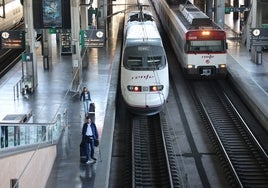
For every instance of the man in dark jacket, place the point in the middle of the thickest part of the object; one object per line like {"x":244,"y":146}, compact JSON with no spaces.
{"x":89,"y":134}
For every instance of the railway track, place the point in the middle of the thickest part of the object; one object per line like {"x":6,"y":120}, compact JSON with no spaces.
{"x":247,"y":161}
{"x":8,"y":60}
{"x":143,"y":155}
{"x":151,"y":166}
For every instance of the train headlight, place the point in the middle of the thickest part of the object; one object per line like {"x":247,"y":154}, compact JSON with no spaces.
{"x":153,"y":88}
{"x":156,"y":88}
{"x":205,"y":33}
{"x":189,"y":66}
{"x":134,"y":88}
{"x":222,"y":66}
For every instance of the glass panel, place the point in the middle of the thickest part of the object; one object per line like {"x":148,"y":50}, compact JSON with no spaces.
{"x":154,"y":61}
{"x":206,"y":46}
{"x":144,"y":57}
{"x":20,"y":134}
{"x":134,"y":62}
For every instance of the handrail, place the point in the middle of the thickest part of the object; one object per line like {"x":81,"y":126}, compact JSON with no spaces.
{"x":32,"y":135}
{"x":26,"y":134}
{"x":17,"y":89}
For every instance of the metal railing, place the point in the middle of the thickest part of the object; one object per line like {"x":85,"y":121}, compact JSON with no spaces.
{"x":26,"y":134}
{"x":17,"y":90}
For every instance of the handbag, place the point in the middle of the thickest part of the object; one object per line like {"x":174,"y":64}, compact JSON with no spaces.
{"x":96,"y":143}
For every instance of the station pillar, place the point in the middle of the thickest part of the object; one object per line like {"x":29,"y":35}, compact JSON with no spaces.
{"x":76,"y":54}
{"x":30,"y":41}
{"x":219,"y":14}
{"x":84,"y":26}
{"x":102,"y":15}
{"x":236,"y":14}
{"x":47,"y":49}
{"x":84,"y":15}
{"x":27,"y":73}
{"x":209,"y":8}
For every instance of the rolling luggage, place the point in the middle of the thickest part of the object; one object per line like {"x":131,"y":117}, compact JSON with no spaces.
{"x":91,"y":112}
{"x":92,"y":108}
{"x":83,"y":156}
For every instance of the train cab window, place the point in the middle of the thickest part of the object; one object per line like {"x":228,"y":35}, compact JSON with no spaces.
{"x":148,"y":17}
{"x":205,"y":46}
{"x":149,"y":63}
{"x":134,"y":17}
{"x":154,"y":62}
{"x":144,"y":57}
{"x":134,"y":62}
{"x":138,"y":17}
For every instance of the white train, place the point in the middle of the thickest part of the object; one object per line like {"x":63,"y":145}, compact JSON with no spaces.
{"x":11,"y":13}
{"x":199,"y":44}
{"x":144,"y":66}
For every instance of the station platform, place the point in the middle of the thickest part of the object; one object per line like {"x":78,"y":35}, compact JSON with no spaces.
{"x":247,"y":75}
{"x":53,"y":92}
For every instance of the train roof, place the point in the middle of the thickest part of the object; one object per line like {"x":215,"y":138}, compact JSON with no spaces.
{"x":193,"y":18}
{"x":139,"y":16}
{"x":141,"y":28}
{"x":143,"y":31}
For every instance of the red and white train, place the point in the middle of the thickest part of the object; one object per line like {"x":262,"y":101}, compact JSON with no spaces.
{"x":199,"y":44}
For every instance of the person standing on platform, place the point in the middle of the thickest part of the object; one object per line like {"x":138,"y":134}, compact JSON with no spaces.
{"x":85,"y":97}
{"x":89,"y":135}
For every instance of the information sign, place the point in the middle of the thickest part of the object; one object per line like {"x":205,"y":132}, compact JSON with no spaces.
{"x":259,"y":36}
{"x":13,"y":39}
{"x":93,"y":38}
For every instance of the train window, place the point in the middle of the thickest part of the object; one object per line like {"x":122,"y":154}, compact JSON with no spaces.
{"x":134,"y":17}
{"x":206,"y":46}
{"x":148,"y":17}
{"x":140,"y":16}
{"x":144,"y":57}
{"x":134,"y":62}
{"x":154,"y":62}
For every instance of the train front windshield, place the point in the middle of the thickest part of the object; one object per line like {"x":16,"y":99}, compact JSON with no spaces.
{"x":201,"y":46}
{"x":144,"y":58}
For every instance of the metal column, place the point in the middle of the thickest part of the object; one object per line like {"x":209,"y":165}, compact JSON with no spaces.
{"x":47,"y":49}
{"x":84,"y":15}
{"x":76,"y":55}
{"x":30,"y":40}
{"x":102,"y":22}
{"x":219,"y":7}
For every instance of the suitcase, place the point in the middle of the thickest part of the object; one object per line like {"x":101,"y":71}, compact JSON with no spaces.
{"x":92,"y":108}
{"x":91,"y":112}
{"x":83,"y":156}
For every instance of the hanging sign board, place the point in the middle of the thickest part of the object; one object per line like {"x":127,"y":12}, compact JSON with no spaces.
{"x":93,"y":38}
{"x":259,"y":36}
{"x":13,"y":39}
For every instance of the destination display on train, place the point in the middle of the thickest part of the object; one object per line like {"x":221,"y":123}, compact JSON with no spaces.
{"x":12,"y":39}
